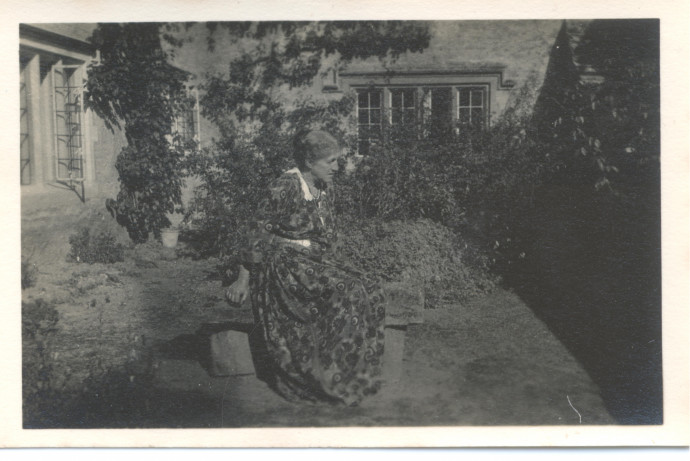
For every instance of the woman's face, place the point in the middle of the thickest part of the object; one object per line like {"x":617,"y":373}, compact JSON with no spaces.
{"x":324,"y":167}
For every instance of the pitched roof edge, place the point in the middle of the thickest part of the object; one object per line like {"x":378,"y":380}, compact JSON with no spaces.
{"x":43,"y":35}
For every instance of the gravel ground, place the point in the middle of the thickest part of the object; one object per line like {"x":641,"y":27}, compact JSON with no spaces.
{"x":487,"y":362}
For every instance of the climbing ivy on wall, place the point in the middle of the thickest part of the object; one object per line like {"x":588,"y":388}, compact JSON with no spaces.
{"x":134,"y":87}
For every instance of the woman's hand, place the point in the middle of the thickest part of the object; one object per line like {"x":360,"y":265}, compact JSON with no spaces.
{"x":238,"y":291}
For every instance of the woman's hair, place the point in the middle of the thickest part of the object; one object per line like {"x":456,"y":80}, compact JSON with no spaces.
{"x":311,"y":146}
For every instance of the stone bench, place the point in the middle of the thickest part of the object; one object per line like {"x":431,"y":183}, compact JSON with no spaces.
{"x":235,"y":344}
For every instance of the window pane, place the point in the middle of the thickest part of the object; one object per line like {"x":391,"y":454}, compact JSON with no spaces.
{"x":374,"y":99}
{"x":375,"y":116}
{"x":362,"y":99}
{"x":477,"y":117}
{"x":403,"y":98}
{"x":464,"y":97}
{"x":368,"y":117}
{"x":403,"y":106}
{"x":396,"y":98}
{"x":464,"y":116}
{"x":408,"y":98}
{"x":477,"y":98}
{"x":441,"y":104}
{"x":396,"y":116}
{"x":408,"y":116}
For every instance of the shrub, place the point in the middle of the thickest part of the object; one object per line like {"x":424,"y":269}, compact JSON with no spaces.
{"x":29,"y":274}
{"x":400,"y":181}
{"x":39,"y":319}
{"x":476,"y":182}
{"x":39,"y":323}
{"x":236,"y":170}
{"x":101,"y":248}
{"x":418,"y":251}
{"x":234,"y":177}
{"x":135,"y":85}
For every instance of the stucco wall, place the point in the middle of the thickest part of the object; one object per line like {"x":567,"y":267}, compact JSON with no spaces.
{"x":522,"y":47}
{"x":105,"y":145}
{"x":50,"y":212}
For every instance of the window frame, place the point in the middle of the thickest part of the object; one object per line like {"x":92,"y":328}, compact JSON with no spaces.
{"x":179,"y":120}
{"x":485,"y":92}
{"x":78,"y":154}
{"x":488,"y":76}
{"x":369,"y":140}
{"x":414,"y":108}
{"x":42,"y":53}
{"x":421,"y":107}
{"x":26,"y":132}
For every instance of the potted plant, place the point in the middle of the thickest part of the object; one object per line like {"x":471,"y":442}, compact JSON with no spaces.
{"x":170,"y":234}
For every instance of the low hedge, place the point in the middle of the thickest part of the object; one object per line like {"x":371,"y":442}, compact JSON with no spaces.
{"x":420,"y":252}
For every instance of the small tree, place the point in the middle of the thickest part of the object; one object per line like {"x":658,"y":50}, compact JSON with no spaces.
{"x":257,"y":122}
{"x":134,"y":85}
{"x":288,"y":55}
{"x":606,"y":134}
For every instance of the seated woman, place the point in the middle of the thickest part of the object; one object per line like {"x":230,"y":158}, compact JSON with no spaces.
{"x":322,"y":322}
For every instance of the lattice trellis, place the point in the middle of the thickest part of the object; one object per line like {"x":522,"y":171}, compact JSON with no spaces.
{"x":68,"y":105}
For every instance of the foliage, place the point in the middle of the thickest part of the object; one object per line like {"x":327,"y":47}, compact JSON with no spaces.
{"x":234,"y":174}
{"x":417,"y":251}
{"x":467,"y":180}
{"x":39,"y":384}
{"x":604,"y":134}
{"x":29,"y":274}
{"x":476,"y":182}
{"x":394,"y":182}
{"x":306,"y":41}
{"x":290,"y":54}
{"x":39,"y":319}
{"x":135,"y":84}
{"x":101,"y":248}
{"x":257,"y":124}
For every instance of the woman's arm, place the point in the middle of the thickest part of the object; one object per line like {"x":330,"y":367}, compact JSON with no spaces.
{"x":278,"y":203}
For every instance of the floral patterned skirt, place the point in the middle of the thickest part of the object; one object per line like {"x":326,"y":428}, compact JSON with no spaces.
{"x":322,"y":325}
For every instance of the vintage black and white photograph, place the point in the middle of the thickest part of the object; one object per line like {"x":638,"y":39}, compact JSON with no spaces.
{"x":340,"y":223}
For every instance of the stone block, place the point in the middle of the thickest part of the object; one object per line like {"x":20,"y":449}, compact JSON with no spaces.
{"x":393,"y":355}
{"x":230,"y":354}
{"x":405,"y":304}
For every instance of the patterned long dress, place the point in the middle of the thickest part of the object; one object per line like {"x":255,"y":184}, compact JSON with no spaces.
{"x":322,"y":322}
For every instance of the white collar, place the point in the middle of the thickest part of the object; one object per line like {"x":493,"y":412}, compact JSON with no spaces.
{"x":305,"y":188}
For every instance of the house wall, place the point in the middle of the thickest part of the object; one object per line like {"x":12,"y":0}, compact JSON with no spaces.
{"x":466,"y":51}
{"x":50,"y":210}
{"x":476,"y":49}
{"x":43,"y":50}
{"x":519,"y":48}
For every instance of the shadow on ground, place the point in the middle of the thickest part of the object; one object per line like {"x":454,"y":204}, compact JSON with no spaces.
{"x":489,"y":362}
{"x":595,"y":281}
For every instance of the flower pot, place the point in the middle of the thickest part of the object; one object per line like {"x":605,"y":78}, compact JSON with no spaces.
{"x":169,"y":237}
